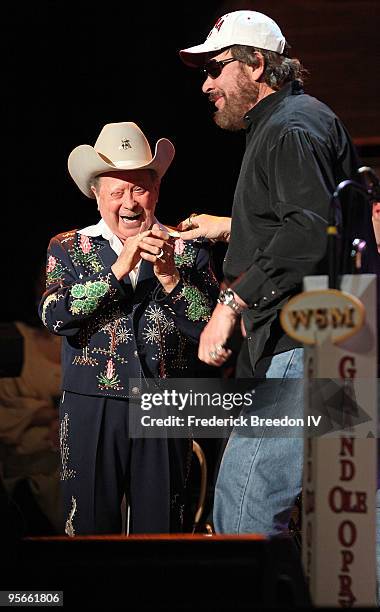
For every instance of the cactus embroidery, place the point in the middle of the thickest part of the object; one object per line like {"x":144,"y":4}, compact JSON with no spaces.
{"x":198,"y":308}
{"x":87,"y":296}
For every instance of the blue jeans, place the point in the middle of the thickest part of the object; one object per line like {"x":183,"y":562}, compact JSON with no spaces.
{"x":260,"y":476}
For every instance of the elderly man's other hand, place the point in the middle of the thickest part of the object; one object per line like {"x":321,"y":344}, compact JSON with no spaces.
{"x":129,"y":256}
{"x":205,"y":226}
{"x":158,"y":248}
{"x":215,"y":335}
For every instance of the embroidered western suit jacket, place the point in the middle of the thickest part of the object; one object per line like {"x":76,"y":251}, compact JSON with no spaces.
{"x":113,"y":333}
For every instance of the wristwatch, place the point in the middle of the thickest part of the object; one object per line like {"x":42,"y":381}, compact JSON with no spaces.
{"x":226,"y":296}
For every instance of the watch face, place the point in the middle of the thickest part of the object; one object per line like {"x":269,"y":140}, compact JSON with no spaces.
{"x":228,"y":296}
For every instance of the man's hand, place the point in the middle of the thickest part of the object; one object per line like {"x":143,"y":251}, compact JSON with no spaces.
{"x":205,"y":226}
{"x":129,"y":256}
{"x":215,"y":335}
{"x":158,"y":248}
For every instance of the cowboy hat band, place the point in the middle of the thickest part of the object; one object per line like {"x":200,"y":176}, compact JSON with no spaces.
{"x":120,"y":146}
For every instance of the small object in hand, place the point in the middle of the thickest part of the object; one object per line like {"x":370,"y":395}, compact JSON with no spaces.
{"x":160,"y":254}
{"x":172,"y":231}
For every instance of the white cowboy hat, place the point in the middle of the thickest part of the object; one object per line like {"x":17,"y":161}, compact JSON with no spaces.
{"x":120,"y":146}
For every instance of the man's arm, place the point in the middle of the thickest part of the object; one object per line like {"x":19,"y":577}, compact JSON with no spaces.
{"x":70,"y":299}
{"x":301,"y":182}
{"x":214,"y":228}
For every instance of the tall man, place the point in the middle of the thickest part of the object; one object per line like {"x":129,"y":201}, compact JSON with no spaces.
{"x":297,"y":151}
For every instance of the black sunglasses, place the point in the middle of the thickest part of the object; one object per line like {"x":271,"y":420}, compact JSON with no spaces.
{"x":213,"y":67}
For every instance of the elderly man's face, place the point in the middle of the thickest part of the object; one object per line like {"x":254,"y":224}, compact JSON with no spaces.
{"x":127,"y":201}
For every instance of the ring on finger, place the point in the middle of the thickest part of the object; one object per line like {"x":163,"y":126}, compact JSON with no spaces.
{"x":160,"y":254}
{"x":212,"y":355}
{"x":218,"y":349}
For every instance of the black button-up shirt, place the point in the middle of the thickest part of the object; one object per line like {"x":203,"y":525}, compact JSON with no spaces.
{"x":297,"y":151}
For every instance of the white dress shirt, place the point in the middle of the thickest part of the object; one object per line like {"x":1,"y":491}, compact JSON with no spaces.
{"x":102,"y":229}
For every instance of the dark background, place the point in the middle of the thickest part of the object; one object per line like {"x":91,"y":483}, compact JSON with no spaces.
{"x":71,"y":67}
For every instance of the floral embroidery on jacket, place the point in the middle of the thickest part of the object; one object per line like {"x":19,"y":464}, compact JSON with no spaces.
{"x":184,"y":253}
{"x":54,"y":271}
{"x":108,"y":379}
{"x":85,"y":254}
{"x":179,"y":246}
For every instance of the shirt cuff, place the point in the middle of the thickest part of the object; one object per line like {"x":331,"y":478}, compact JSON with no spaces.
{"x":255,"y":288}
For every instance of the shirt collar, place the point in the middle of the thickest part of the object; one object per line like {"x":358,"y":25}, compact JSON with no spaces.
{"x":101,"y":229}
{"x":266,"y":104}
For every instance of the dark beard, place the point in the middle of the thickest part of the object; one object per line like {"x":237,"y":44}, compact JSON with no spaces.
{"x":245,"y":96}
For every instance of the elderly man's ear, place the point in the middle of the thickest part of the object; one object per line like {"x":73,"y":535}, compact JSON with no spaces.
{"x":156,"y":187}
{"x":96,"y":196}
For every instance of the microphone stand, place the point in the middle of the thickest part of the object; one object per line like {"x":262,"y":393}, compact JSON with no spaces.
{"x":372,"y":193}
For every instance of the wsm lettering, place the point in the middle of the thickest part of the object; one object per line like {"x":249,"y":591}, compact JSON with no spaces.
{"x":323,"y":318}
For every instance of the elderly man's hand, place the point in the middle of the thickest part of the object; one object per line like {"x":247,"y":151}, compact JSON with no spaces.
{"x":129,"y":256}
{"x":158,"y":248}
{"x":215,"y":335}
{"x":205,"y":226}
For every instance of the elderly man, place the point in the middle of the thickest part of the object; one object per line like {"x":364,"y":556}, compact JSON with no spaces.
{"x":130,"y":303}
{"x":297,"y":151}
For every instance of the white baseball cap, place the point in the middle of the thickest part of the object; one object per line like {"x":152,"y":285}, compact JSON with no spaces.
{"x":237,"y":28}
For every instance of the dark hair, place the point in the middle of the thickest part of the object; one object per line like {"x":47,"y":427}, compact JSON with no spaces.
{"x":279,"y":69}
